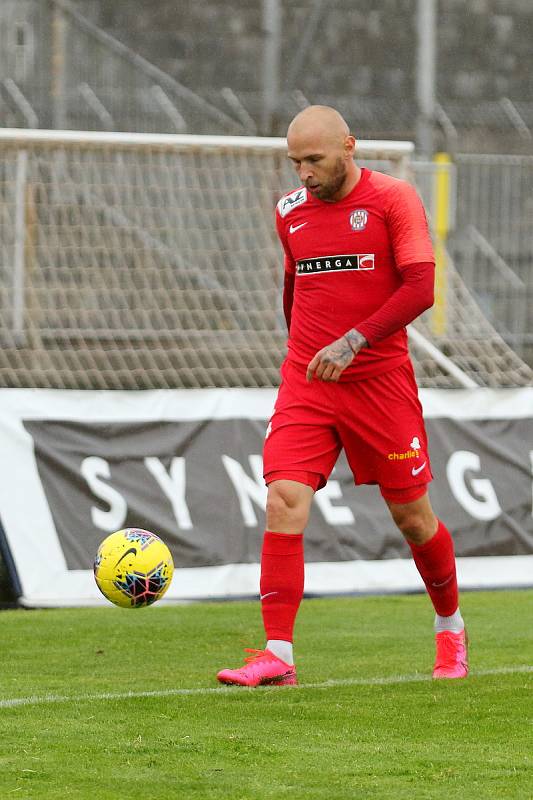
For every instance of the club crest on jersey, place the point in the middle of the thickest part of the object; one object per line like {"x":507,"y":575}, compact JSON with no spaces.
{"x":291,"y":201}
{"x":358,"y":219}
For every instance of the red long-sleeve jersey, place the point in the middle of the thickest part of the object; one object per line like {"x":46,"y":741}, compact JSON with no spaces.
{"x":364,"y":262}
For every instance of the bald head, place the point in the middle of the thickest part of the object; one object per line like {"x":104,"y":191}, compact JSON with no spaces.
{"x":321,"y":121}
{"x":321,"y":148}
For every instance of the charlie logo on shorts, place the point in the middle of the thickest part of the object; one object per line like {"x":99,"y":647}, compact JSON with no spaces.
{"x":413,"y":452}
{"x":358,"y":219}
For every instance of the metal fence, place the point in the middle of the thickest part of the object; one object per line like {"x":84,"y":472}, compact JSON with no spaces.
{"x":492,"y":243}
{"x":60,"y":70}
{"x":82,"y":78}
{"x":491,"y":237}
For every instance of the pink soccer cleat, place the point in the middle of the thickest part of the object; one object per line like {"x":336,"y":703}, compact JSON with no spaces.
{"x":451,"y":660}
{"x":262,"y":668}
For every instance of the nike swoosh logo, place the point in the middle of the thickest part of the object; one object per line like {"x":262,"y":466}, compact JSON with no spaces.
{"x":131,"y":550}
{"x":294,"y":228}
{"x":438,"y":585}
{"x":262,"y":596}
{"x":416,"y":470}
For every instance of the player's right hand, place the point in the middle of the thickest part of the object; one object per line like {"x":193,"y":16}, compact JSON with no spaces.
{"x":330,"y":362}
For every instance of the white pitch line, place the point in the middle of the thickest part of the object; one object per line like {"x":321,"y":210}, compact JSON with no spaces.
{"x":391,"y":680}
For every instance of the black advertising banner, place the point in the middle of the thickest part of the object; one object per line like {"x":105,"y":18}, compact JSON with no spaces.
{"x":188,"y":466}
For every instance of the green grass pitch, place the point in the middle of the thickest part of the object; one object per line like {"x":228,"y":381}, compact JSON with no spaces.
{"x":103,"y":710}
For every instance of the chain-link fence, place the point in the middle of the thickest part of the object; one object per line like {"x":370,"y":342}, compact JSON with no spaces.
{"x":208,"y":68}
{"x":492,"y":243}
{"x":82,"y":78}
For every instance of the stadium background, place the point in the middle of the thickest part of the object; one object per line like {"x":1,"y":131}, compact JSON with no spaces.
{"x":359,"y":56}
{"x":121,"y":66}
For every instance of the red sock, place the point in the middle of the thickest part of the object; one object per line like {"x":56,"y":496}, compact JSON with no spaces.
{"x":435,"y":561}
{"x":282,"y":582}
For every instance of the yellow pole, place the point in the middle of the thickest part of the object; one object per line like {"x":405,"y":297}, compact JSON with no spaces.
{"x":441,"y":223}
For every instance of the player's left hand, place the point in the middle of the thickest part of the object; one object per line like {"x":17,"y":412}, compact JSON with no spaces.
{"x":330,"y":362}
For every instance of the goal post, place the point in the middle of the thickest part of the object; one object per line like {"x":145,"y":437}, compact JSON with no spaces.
{"x":146,"y":261}
{"x":395,"y":151}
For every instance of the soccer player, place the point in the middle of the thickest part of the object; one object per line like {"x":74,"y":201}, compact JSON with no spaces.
{"x":359,"y":266}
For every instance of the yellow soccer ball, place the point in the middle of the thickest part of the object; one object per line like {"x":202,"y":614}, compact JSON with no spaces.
{"x":133,"y":568}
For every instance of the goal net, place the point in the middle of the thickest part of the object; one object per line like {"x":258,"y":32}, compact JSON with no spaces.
{"x":132,"y":261}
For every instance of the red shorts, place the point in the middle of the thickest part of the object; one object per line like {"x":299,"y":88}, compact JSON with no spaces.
{"x":378,"y":422}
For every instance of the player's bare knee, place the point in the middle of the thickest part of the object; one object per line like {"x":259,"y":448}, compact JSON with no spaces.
{"x":413,"y":529}
{"x":416,"y":527}
{"x":287,"y":507}
{"x":283,"y":517}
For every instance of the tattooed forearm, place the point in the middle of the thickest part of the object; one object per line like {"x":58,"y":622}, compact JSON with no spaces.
{"x":330,"y":362}
{"x":356,"y":340}
{"x":340,"y":351}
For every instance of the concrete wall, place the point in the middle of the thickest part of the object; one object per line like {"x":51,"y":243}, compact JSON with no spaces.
{"x":362,"y":56}
{"x":366,"y":47}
